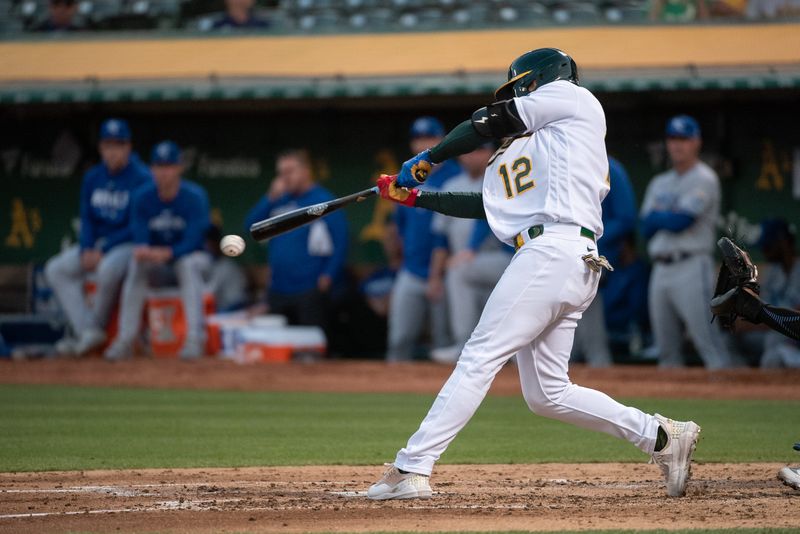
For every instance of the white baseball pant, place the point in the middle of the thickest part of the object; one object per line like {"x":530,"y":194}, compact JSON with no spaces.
{"x":531,"y":313}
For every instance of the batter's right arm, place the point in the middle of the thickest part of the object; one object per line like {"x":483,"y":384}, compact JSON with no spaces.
{"x":453,"y":204}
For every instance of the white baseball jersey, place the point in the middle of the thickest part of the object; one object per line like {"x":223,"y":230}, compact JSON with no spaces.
{"x":695,"y":192}
{"x":557,"y":171}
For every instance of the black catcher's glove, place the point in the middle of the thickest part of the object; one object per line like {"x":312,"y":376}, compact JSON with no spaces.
{"x":737,"y":278}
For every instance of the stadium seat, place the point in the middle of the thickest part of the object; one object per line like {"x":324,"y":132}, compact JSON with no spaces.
{"x":331,"y":15}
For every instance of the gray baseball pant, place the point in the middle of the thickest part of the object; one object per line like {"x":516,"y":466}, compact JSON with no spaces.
{"x":679,"y":294}
{"x":407,"y":312}
{"x":66,"y":276}
{"x":188,"y":271}
{"x":591,"y":337}
{"x":468,"y":288}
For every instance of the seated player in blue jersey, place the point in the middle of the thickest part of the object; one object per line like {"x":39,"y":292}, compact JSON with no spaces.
{"x":169,"y":220}
{"x":306,"y":262}
{"x":104,"y":241}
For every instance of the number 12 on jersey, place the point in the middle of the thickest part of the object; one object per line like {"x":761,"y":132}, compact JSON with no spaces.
{"x":521,"y":170}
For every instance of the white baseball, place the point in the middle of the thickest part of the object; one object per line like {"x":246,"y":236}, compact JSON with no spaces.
{"x":232,"y":245}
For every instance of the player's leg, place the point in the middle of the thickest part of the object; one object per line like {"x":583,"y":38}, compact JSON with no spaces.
{"x":463,"y":304}
{"x":667,"y":328}
{"x":591,"y":338}
{"x":406,"y":316}
{"x":468,"y":288}
{"x":131,"y":304}
{"x":110,"y":274}
{"x":282,"y":305}
{"x":527,"y":298}
{"x":691,"y":296}
{"x":312,"y":309}
{"x":543,"y":373}
{"x":65,"y":277}
{"x":439,"y":320}
{"x":190,"y":270}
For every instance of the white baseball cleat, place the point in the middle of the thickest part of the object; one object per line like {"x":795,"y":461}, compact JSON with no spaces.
{"x":790,"y":476}
{"x":397,"y":485}
{"x":675,"y":459}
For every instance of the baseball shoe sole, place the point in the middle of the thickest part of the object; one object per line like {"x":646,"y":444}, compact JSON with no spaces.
{"x":790,"y":476}
{"x":396,"y":485}
{"x":675,"y":459}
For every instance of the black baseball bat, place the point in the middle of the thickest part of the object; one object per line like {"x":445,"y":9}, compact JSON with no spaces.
{"x":263,"y":230}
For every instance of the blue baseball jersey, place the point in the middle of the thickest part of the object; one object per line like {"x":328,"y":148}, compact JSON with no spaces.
{"x":414,"y":224}
{"x":105,"y":203}
{"x":180,"y":223}
{"x":619,"y":212}
{"x":625,"y":296}
{"x":298,"y":258}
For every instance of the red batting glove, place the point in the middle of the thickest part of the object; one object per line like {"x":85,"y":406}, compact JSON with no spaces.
{"x":387,"y":184}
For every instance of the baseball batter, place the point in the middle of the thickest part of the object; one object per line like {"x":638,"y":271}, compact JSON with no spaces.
{"x":541,"y":192}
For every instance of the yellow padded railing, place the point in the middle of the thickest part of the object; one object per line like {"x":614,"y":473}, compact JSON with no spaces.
{"x":393,"y":54}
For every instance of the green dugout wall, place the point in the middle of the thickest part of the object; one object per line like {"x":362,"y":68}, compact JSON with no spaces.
{"x":751,"y":137}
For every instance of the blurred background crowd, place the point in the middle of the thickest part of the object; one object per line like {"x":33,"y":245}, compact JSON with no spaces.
{"x":361,"y":15}
{"x":120,"y":183}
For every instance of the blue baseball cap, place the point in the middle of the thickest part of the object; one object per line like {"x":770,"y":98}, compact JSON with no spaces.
{"x":165,"y":153}
{"x":683,"y":126}
{"x":773,"y":230}
{"x":115,"y":130}
{"x":427,"y":127}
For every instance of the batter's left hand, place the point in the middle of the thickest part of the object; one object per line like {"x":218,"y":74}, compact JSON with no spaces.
{"x":389,"y":189}
{"x":416,"y":170}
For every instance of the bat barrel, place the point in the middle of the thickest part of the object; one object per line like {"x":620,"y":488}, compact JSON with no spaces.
{"x":263,"y":230}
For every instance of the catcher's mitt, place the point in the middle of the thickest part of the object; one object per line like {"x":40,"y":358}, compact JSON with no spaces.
{"x":736,"y":275}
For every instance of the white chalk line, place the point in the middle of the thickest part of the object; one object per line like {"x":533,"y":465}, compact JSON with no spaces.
{"x":207,"y":505}
{"x":161,"y":506}
{"x":105,"y":490}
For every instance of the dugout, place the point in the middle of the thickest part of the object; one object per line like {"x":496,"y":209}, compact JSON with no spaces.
{"x":233,"y":102}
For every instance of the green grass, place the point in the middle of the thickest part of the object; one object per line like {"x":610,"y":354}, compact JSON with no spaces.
{"x":43,"y":428}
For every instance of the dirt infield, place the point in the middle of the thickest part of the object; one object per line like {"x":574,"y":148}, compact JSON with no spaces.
{"x":327,"y":498}
{"x":378,"y":377}
{"x":309,"y":499}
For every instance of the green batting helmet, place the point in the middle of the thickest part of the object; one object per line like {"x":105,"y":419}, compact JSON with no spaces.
{"x":543,"y":65}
